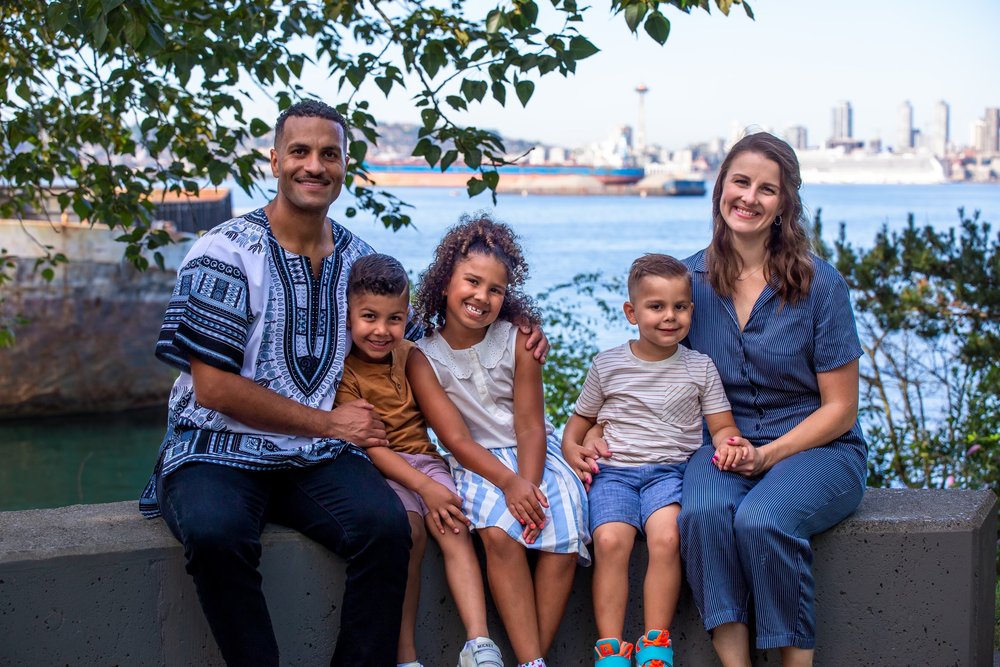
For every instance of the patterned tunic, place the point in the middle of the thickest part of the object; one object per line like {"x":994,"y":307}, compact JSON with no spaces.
{"x":244,"y":304}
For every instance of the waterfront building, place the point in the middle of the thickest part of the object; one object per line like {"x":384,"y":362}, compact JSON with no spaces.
{"x":992,"y":139}
{"x":904,"y":128}
{"x":940,"y":135}
{"x":797,"y":137}
{"x":843,"y":123}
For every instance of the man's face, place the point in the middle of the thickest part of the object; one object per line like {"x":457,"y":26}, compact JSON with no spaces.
{"x":309,"y":163}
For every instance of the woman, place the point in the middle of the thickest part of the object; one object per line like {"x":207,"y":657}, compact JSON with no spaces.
{"x":777,"y":322}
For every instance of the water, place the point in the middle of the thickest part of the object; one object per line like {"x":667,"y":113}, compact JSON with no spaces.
{"x":52,"y":462}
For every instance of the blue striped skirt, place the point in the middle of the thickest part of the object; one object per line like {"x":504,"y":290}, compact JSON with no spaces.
{"x":565,"y":528}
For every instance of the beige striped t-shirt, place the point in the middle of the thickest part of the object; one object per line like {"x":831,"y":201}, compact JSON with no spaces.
{"x":651,"y":410}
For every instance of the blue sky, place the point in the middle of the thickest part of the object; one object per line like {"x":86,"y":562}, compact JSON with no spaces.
{"x":790,"y":66}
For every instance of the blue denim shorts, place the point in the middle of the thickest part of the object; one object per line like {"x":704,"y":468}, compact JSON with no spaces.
{"x":631,"y":494}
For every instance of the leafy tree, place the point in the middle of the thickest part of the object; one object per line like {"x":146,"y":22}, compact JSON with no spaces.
{"x":104,"y":101}
{"x":928,"y":309}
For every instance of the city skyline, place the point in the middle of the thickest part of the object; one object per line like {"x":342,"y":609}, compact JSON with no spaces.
{"x":789,"y":67}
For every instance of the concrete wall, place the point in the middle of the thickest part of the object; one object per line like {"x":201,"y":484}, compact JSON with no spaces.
{"x":908,"y":580}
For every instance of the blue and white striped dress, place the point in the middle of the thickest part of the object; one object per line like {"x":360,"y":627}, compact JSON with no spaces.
{"x":480,"y":382}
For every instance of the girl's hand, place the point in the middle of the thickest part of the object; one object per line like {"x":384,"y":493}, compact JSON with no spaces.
{"x":529,"y":534}
{"x":525,"y":501}
{"x":445,"y":507}
{"x":581,"y":461}
{"x":731,"y":453}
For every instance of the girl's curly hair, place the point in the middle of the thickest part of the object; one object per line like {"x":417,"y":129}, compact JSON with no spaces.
{"x":477,"y":233}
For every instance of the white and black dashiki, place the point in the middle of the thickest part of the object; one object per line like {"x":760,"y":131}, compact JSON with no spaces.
{"x":244,"y":304}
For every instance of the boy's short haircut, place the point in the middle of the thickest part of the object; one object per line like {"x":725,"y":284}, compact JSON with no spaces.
{"x":379,"y":275}
{"x":655,"y":264}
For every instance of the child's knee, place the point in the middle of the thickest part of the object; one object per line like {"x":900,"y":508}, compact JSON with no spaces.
{"x":614,"y":540}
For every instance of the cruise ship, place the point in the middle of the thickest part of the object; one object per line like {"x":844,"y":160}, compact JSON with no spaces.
{"x":836,"y":166}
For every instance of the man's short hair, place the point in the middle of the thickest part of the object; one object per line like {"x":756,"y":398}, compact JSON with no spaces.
{"x":309,"y":109}
{"x":655,"y":264}
{"x":379,"y":275}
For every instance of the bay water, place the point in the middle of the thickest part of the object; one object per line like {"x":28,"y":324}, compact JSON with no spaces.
{"x":56,"y":461}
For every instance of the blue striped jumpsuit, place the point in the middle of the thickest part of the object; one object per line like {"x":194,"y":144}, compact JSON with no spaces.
{"x":748,"y":539}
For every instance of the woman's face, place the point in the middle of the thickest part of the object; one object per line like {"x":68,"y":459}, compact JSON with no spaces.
{"x":751,"y":196}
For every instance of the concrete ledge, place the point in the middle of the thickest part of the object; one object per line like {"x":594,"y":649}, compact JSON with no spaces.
{"x":909,"y":579}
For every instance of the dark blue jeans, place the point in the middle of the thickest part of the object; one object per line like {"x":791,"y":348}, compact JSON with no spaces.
{"x":218,"y":512}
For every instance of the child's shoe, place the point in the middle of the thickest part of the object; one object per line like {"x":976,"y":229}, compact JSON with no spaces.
{"x":654,"y":650}
{"x":480,"y":652}
{"x":612,"y":653}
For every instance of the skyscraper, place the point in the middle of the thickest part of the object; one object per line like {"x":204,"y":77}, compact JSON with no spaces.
{"x":992,"y":119}
{"x":904,"y":128}
{"x":843,"y":123}
{"x":940,"y":134}
{"x":797,"y":137}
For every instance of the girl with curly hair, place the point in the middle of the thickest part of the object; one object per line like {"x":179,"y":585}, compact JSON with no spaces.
{"x":481,"y":392}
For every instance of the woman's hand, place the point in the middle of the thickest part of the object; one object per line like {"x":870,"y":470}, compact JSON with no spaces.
{"x":758,"y":460}
{"x":445,"y":507}
{"x":525,"y":501}
{"x":731,"y":453}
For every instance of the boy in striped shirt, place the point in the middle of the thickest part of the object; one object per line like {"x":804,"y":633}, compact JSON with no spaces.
{"x":647,"y":399}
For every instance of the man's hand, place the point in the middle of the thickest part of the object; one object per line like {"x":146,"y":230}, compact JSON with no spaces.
{"x":537,"y":342}
{"x":357,"y":422}
{"x":445,"y":507}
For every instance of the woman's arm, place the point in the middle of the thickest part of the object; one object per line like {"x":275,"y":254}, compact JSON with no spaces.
{"x":838,"y":410}
{"x":448,"y":424}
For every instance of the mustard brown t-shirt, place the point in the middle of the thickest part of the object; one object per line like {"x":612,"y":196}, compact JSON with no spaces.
{"x":384,"y":385}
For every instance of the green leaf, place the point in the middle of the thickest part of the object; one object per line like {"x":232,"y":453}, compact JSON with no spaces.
{"x":524,"y":89}
{"x":658,"y":27}
{"x":749,"y":12}
{"x":430,"y":118}
{"x":494,"y":20}
{"x":473,"y":157}
{"x":433,"y":155}
{"x":580,"y":47}
{"x":634,"y":14}
{"x":491,"y":178}
{"x":422,"y":147}
{"x":473,"y":90}
{"x":455,"y":102}
{"x":357,"y":150}
{"x":384,"y":83}
{"x":449,"y":158}
{"x":259,"y":128}
{"x":475,"y":186}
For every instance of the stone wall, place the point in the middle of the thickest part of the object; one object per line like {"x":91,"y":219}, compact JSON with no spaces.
{"x":909,"y":579}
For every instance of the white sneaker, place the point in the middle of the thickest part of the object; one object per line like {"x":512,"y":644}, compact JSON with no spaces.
{"x":480,"y":652}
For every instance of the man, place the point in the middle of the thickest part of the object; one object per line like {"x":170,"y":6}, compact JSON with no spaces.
{"x":257,"y":327}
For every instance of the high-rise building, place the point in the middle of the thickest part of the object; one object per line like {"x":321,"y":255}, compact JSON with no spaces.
{"x":977,"y":135}
{"x":904,"y":128}
{"x":992,"y":120}
{"x":797,"y":137}
{"x":843,"y":123}
{"x":941,"y":134}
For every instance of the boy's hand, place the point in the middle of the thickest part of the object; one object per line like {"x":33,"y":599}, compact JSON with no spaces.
{"x":445,"y":507}
{"x":525,"y":501}
{"x":537,"y":342}
{"x":733,"y":452}
{"x":583,"y":458}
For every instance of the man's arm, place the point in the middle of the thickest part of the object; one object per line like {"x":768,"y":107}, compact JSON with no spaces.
{"x":245,"y":401}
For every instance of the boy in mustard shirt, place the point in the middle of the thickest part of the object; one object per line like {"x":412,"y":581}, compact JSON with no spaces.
{"x":378,"y":304}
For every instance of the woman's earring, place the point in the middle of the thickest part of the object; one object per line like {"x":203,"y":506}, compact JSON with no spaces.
{"x":777,"y":220}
